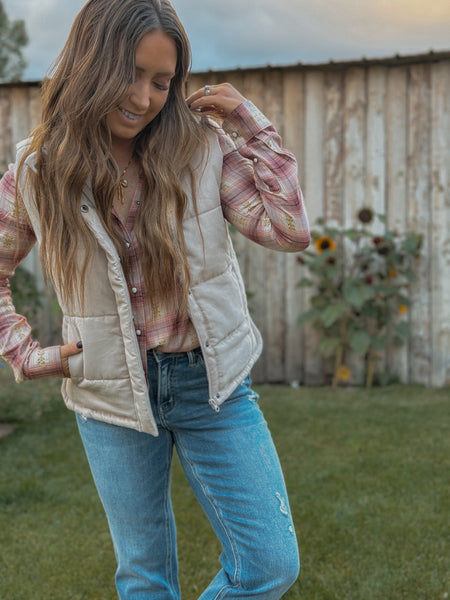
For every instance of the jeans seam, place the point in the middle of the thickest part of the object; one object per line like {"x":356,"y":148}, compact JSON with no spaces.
{"x":168,"y":518}
{"x":210,"y":498}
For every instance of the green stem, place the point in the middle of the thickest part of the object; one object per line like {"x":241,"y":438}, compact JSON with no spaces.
{"x":337,"y":364}
{"x":340,"y":351}
{"x":371,"y":363}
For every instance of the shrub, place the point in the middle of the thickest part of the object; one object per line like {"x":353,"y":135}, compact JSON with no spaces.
{"x":360,"y":296}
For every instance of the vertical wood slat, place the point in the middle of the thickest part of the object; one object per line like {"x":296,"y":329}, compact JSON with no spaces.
{"x":363,"y":135}
{"x":355,"y":166}
{"x":440,"y":218}
{"x":20,"y":122}
{"x":314,"y":200}
{"x":293,"y":139}
{"x":333,"y":151}
{"x":396,"y":178}
{"x":375,"y":196}
{"x":275,"y":263}
{"x":419,"y":219}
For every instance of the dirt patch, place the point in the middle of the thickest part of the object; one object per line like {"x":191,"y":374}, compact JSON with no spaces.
{"x":6,"y":429}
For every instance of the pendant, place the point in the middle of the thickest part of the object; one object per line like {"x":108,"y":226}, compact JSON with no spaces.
{"x":123,"y":184}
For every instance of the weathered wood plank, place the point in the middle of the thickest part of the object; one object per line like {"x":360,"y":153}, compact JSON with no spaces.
{"x":419,"y":212}
{"x":334,"y":149}
{"x":20,"y":122}
{"x":275,"y":262}
{"x":355,"y":167}
{"x":440,"y":216}
{"x":34,"y":107}
{"x":396,"y":187}
{"x":314,"y":194}
{"x":375,"y":196}
{"x":293,"y":139}
{"x":355,"y":144}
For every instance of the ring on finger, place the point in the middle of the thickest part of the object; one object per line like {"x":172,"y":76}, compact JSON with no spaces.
{"x":207,"y":90}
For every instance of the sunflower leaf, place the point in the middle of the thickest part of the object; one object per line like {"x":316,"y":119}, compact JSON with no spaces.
{"x":360,"y":342}
{"x":333,"y":313}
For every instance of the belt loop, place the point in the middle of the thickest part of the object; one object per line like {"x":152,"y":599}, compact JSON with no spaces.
{"x":191,"y":357}
{"x":156,"y":356}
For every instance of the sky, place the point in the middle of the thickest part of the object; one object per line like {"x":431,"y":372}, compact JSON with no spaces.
{"x":225,"y":34}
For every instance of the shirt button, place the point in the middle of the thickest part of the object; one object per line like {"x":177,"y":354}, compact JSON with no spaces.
{"x":235,"y":134}
{"x":255,"y":160}
{"x":134,"y":290}
{"x":138,"y":332}
{"x":127,"y":244}
{"x":84,"y":208}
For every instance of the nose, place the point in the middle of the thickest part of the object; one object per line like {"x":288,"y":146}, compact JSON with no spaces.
{"x":140,"y":96}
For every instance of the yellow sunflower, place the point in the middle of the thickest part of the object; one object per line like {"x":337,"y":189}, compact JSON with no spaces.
{"x":323,"y":243}
{"x":343,"y":373}
{"x":402,"y":309}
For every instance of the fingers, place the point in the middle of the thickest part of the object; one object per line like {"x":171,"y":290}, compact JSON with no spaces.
{"x":216,"y":100}
{"x":69,"y":350}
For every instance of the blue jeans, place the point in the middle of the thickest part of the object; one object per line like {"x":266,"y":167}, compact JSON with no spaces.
{"x":232,"y":466}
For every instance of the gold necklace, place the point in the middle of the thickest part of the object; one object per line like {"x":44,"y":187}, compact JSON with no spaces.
{"x":123,"y":183}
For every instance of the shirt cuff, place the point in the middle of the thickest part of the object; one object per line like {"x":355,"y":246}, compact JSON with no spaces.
{"x":244,"y":123}
{"x":44,"y":362}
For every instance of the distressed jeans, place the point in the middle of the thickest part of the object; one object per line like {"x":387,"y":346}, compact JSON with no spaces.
{"x":232,"y":466}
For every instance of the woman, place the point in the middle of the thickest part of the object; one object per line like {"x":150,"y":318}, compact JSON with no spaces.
{"x":127,"y":188}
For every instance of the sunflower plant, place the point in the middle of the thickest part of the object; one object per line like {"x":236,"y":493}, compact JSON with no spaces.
{"x":360,"y":291}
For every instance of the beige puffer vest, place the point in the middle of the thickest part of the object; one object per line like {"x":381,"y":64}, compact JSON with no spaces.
{"x":107,"y":381}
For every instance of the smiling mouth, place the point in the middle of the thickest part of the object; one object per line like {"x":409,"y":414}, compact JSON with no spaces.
{"x":128,"y":114}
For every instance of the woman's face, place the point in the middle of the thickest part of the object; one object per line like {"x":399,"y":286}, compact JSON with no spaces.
{"x":156,"y":61}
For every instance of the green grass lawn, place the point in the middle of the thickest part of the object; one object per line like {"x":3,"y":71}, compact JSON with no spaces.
{"x":367,"y":472}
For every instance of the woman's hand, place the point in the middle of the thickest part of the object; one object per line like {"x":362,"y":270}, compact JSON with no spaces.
{"x":69,"y":350}
{"x":215,"y":100}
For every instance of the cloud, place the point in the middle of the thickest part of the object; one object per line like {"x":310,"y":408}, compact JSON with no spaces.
{"x":224,"y":35}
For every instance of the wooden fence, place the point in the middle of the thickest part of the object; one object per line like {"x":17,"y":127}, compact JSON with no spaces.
{"x":366,"y":134}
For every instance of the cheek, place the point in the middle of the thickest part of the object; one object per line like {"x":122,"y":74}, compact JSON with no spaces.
{"x":160,"y":103}
{"x":156,"y":106}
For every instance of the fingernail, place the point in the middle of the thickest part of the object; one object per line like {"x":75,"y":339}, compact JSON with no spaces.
{"x":79,"y":345}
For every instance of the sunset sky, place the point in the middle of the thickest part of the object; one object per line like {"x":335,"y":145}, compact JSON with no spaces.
{"x":258,"y":32}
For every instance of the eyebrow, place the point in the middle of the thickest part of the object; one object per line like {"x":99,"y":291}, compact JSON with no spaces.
{"x":163,"y":74}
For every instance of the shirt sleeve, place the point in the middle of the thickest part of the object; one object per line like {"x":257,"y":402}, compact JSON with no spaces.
{"x":260,"y":192}
{"x":26,"y":357}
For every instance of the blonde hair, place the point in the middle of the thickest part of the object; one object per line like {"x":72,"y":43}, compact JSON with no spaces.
{"x":73,"y":142}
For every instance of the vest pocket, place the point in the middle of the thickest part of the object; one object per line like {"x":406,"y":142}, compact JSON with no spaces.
{"x":76,"y":366}
{"x":103,"y":355}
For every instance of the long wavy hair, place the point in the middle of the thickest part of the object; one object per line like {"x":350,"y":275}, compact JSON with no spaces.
{"x":73,"y":142}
